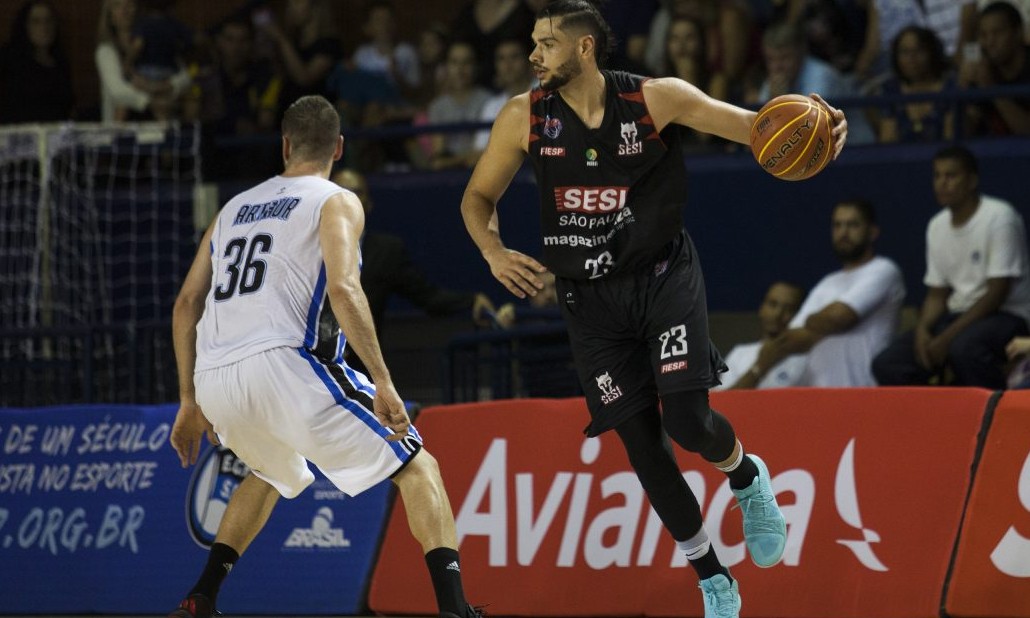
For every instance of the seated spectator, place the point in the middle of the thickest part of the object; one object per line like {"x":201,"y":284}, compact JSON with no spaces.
{"x":791,"y":69}
{"x":160,"y":44}
{"x":513,"y":75}
{"x":388,"y":270}
{"x":630,"y":21}
{"x":730,"y":34}
{"x":114,"y":57}
{"x":978,"y":286}
{"x":383,"y":54}
{"x":35,"y":78}
{"x":687,"y":58}
{"x":366,"y":99}
{"x":307,"y":46}
{"x":919,"y":66}
{"x":485,"y":23}
{"x":432,"y":69}
{"x":779,"y":306}
{"x":948,"y":19}
{"x":1005,"y":60}
{"x":461,"y":101}
{"x":242,"y":94}
{"x":850,"y":315}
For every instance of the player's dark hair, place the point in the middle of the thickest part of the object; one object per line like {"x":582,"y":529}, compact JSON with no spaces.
{"x":1007,"y":10}
{"x":313,"y":128}
{"x":584,"y":16}
{"x":863,"y":206}
{"x":929,"y":41}
{"x":961,"y":154}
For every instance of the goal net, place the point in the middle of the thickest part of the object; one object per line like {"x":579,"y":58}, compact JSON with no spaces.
{"x":96,"y":234}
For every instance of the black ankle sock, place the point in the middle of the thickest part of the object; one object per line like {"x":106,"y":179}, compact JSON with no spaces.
{"x":445,"y":571}
{"x":743,"y":475}
{"x":708,"y":566}
{"x":219,"y":562}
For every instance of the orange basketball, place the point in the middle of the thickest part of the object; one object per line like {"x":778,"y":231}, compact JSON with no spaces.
{"x":790,"y":137}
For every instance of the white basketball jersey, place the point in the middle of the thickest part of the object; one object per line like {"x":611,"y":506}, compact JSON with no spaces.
{"x":268,"y":286}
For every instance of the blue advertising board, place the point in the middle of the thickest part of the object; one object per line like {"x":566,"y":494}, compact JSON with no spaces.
{"x":97,"y":515}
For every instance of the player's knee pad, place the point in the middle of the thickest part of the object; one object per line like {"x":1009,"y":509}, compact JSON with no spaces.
{"x":688,"y":420}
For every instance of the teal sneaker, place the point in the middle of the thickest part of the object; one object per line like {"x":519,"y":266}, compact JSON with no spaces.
{"x":722,"y":599}
{"x":765,"y":530}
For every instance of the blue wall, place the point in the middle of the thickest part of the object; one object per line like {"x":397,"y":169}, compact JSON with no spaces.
{"x":750,"y":228}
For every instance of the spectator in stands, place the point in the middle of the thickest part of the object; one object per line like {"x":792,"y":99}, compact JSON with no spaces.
{"x":461,"y":101}
{"x":779,"y":306}
{"x":308,"y":46}
{"x":242,"y":94}
{"x":630,"y":21}
{"x":850,"y":315}
{"x":432,"y":52}
{"x":949,"y":19}
{"x":485,"y":23}
{"x":513,"y":75}
{"x":160,"y":48}
{"x":978,"y":286}
{"x":791,"y":69}
{"x":1005,"y":61}
{"x":383,"y":54}
{"x":35,"y":78}
{"x":729,"y":29}
{"x":388,"y":270}
{"x":114,"y":57}
{"x":919,"y":67}
{"x":687,"y":58}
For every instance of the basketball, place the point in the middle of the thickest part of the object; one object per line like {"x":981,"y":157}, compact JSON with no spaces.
{"x":790,"y":137}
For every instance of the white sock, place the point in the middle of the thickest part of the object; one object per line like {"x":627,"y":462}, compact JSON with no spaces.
{"x":696,"y":546}
{"x":736,"y":461}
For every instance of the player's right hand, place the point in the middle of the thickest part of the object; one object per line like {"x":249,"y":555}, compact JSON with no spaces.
{"x":389,"y":409}
{"x":188,"y":432}
{"x":516,"y":271}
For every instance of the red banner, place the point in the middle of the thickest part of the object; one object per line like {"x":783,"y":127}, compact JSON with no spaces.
{"x":552,"y":523}
{"x":992,"y":567}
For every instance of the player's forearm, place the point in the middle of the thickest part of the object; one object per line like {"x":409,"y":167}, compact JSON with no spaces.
{"x":480,"y":215}
{"x":351,"y":309}
{"x":185,"y":317}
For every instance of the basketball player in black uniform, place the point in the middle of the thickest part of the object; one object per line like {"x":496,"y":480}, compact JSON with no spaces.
{"x":612,"y":186}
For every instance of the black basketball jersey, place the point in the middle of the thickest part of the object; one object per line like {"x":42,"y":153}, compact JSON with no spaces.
{"x":611,"y":197}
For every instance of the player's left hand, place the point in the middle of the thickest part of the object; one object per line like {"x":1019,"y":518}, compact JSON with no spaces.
{"x":188,"y":431}
{"x":840,"y":125}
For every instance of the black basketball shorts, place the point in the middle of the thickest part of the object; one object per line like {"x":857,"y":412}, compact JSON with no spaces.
{"x":637,"y":336}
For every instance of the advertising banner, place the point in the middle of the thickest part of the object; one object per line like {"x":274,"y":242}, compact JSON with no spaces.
{"x":552,"y":523}
{"x":97,"y":515}
{"x":992,"y":568}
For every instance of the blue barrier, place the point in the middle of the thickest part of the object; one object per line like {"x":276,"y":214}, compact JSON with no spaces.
{"x":96,"y":494}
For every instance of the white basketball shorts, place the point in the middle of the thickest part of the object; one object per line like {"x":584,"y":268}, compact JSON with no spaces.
{"x":283,"y":406}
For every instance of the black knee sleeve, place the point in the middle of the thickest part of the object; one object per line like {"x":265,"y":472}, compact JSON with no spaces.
{"x":651,"y":456}
{"x":695,"y":426}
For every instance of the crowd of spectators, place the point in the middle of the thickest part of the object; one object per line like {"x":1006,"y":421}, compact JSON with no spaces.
{"x":236,"y":76}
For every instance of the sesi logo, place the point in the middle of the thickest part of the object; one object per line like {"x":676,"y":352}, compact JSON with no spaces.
{"x":1012,"y":554}
{"x":590,"y":199}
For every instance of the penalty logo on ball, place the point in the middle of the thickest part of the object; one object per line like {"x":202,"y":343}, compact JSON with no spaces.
{"x":217,"y":475}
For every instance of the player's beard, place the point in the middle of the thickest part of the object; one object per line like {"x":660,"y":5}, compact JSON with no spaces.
{"x":564,"y":74}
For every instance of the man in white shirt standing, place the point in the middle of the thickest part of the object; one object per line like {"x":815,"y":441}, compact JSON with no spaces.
{"x":978,"y":289}
{"x":780,"y":305}
{"x":850,"y":315}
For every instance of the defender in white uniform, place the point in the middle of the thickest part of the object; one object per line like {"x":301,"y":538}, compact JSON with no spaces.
{"x":259,"y":349}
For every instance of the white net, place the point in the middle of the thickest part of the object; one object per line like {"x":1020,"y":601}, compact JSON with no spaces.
{"x":97,"y":232}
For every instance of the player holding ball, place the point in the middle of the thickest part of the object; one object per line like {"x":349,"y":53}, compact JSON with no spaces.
{"x":609,"y":164}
